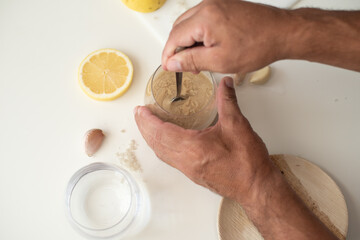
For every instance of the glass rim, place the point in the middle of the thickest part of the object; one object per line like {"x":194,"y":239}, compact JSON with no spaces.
{"x":91,"y":168}
{"x":212,"y":80}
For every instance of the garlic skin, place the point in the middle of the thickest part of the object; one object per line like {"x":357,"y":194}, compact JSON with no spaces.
{"x":93,"y":140}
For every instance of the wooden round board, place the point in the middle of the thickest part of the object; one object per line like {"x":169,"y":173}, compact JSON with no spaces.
{"x":318,"y":191}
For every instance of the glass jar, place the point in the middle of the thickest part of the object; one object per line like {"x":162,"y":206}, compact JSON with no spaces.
{"x":197,"y":111}
{"x":106,"y":201}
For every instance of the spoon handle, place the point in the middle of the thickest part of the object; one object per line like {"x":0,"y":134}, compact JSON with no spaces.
{"x":178,"y":83}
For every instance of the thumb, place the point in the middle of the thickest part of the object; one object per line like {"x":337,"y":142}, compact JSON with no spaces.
{"x":228,"y":108}
{"x":194,"y":59}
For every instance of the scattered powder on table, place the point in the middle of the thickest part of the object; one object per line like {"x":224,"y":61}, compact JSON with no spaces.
{"x":128,"y":158}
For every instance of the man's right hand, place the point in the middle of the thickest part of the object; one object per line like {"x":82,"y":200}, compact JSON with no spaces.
{"x":238,"y":36}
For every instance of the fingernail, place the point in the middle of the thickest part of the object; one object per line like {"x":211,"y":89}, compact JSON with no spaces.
{"x":229,"y":82}
{"x":136,"y":110}
{"x":173,"y":65}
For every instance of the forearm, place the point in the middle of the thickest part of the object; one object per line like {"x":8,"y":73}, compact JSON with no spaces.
{"x":279,"y":214}
{"x":329,"y":37}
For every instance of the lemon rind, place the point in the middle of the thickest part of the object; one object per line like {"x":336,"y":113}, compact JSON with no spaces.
{"x":107,"y":96}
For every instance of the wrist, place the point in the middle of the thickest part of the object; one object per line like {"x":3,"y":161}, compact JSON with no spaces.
{"x":293,"y":31}
{"x":261,"y":183}
{"x":282,"y":32}
{"x":268,"y":186}
{"x":301,"y":28}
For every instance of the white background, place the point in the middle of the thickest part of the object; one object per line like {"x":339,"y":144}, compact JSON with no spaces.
{"x":307,"y":109}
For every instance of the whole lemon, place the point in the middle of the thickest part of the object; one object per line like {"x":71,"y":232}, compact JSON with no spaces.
{"x":144,"y":5}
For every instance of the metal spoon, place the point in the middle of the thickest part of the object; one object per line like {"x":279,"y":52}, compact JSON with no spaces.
{"x":178,"y":76}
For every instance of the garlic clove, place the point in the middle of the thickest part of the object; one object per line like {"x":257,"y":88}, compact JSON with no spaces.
{"x":261,"y":76}
{"x":93,"y":140}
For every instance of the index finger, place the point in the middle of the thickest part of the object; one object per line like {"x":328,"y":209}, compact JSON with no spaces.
{"x":184,"y":34}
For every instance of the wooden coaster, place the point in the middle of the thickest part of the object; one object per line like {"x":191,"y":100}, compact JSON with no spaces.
{"x":317,"y":190}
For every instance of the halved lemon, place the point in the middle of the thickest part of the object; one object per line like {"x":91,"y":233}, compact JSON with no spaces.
{"x":105,"y":74}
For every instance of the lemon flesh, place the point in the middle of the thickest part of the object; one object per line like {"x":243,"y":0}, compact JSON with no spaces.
{"x":105,"y":74}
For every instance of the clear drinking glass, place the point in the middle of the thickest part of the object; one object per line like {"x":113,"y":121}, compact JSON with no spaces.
{"x":105,"y":201}
{"x":200,"y":119}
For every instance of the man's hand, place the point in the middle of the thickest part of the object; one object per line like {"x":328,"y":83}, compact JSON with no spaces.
{"x":240,"y":36}
{"x":237,"y":36}
{"x":228,"y":158}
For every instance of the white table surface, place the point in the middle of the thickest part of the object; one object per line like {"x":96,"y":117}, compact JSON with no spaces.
{"x":307,"y":109}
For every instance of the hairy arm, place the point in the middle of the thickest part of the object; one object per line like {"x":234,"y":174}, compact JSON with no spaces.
{"x":329,"y":37}
{"x":279,"y":214}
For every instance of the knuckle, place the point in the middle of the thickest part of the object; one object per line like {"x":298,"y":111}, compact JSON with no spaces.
{"x":199,"y":31}
{"x":194,"y":63}
{"x":210,"y":10}
{"x":188,"y":62}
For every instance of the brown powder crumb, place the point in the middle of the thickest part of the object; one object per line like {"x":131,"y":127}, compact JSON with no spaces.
{"x":127,"y":157}
{"x":122,"y":130}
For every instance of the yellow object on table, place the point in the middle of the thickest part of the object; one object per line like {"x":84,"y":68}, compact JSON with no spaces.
{"x":144,"y":5}
{"x":105,"y":74}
